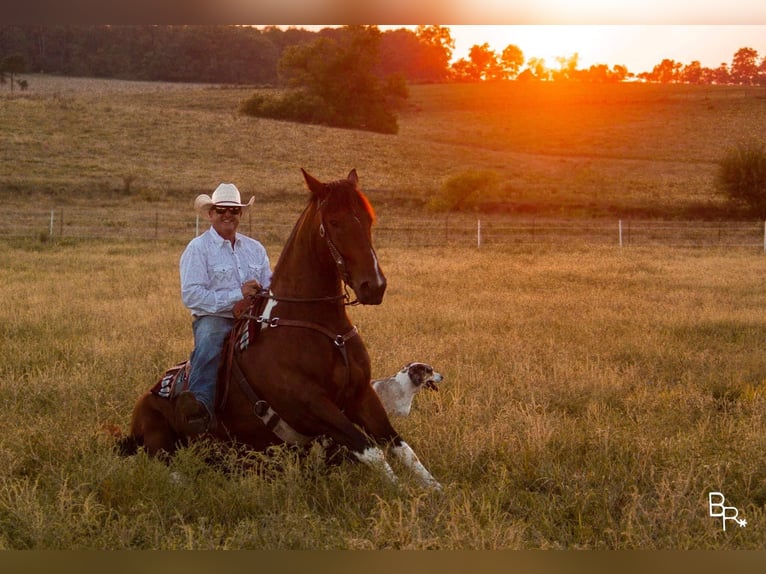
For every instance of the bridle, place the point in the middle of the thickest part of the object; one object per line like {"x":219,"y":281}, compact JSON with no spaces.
{"x":340,"y":263}
{"x":262,"y":409}
{"x":272,"y":322}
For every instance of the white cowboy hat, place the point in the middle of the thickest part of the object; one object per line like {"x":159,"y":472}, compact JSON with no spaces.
{"x":225,"y":195}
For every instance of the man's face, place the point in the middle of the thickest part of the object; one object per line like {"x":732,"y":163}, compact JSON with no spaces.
{"x":225,"y":220}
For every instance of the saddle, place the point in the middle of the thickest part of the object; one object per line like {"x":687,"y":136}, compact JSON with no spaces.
{"x":176,"y":378}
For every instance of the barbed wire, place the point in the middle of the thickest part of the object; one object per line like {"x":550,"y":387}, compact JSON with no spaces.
{"x":461,"y":230}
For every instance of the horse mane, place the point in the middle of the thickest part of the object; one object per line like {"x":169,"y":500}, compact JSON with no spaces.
{"x":343,"y":185}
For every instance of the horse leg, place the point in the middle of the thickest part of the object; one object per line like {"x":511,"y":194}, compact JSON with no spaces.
{"x":372,"y":417}
{"x":340,"y":429}
{"x":152,"y":425}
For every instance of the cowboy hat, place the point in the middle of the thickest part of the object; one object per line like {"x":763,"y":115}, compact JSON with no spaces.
{"x":225,"y":195}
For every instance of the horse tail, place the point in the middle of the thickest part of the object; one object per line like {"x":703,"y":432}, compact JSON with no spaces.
{"x":124,"y":445}
{"x":127,"y":445}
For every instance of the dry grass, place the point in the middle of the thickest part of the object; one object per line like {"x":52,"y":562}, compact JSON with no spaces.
{"x":559,"y":150}
{"x":593,"y":399}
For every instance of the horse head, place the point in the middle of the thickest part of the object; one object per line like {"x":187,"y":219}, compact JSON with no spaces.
{"x":344,"y":224}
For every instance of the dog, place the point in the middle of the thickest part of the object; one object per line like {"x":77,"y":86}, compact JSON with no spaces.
{"x":396,"y":392}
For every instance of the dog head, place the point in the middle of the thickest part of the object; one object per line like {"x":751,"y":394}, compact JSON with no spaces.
{"x":422,"y":375}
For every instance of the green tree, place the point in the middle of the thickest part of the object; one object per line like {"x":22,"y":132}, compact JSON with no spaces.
{"x":742,"y":176}
{"x":466,"y":191}
{"x":331,"y":81}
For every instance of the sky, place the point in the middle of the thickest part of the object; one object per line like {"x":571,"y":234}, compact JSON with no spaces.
{"x":637,"y":34}
{"x":638,"y":47}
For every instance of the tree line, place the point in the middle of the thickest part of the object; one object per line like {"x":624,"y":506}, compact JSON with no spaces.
{"x":207,"y":54}
{"x":248,"y":55}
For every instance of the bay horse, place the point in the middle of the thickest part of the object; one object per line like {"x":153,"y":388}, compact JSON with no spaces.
{"x":295,"y":368}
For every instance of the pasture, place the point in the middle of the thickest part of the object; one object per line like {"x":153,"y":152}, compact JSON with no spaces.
{"x":592,"y":399}
{"x":594,"y":396}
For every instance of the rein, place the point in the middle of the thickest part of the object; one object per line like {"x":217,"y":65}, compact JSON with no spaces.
{"x":266,"y":294}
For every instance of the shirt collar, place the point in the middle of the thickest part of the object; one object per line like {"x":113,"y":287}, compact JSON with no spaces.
{"x":220,"y":240}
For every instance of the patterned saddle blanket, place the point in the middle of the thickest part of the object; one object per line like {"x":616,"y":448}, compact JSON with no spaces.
{"x":175,"y":380}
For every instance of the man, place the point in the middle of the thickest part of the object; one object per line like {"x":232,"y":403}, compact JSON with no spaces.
{"x":218,"y":268}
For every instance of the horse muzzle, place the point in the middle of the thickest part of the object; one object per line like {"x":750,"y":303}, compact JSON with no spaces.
{"x":370,"y":292}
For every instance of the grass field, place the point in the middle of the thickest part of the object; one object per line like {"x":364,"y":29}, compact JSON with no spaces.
{"x":562,"y":150}
{"x":594,"y":397}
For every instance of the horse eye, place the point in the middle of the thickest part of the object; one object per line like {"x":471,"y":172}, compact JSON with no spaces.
{"x":334,"y":222}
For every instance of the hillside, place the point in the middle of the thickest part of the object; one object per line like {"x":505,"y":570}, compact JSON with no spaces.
{"x":563,"y":150}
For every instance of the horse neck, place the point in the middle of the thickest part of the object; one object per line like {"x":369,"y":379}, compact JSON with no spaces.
{"x":305,"y":269}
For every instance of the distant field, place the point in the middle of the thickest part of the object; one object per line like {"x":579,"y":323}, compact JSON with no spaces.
{"x":560,"y":150}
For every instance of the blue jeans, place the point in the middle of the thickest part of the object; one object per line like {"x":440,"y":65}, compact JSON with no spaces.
{"x":209,"y":336}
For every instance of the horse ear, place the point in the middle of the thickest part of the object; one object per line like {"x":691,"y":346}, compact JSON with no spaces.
{"x":352,"y":177}
{"x":316,"y":186}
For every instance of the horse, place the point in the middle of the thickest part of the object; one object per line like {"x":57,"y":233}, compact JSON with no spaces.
{"x":295,"y":368}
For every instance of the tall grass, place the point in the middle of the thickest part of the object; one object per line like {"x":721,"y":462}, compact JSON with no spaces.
{"x":592,"y":399}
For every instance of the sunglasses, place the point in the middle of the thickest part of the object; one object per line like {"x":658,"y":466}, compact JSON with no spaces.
{"x":232,"y":210}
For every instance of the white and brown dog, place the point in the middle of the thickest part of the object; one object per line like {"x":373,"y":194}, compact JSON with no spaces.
{"x":396,"y":392}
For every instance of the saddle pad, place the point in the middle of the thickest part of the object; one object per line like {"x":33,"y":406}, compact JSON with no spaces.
{"x":173,"y":381}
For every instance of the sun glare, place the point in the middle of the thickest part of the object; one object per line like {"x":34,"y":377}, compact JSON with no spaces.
{"x":592,"y":44}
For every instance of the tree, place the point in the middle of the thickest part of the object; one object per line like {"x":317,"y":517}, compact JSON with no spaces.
{"x":721,"y":74}
{"x":331,"y":81}
{"x":537,"y":68}
{"x":567,"y":68}
{"x":512,"y":59}
{"x":744,"y":67}
{"x":439,"y":46}
{"x":692,"y":73}
{"x":465,"y":191}
{"x":666,"y":71}
{"x":484,"y":62}
{"x":742,"y":176}
{"x":13,"y":65}
{"x":417,"y":58}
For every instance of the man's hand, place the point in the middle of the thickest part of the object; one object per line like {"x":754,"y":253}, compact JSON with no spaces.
{"x":250,"y":288}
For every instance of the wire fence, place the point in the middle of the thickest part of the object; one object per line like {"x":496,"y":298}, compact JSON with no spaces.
{"x":451,"y":230}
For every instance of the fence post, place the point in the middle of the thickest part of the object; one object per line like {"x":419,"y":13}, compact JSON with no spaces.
{"x":50,"y":232}
{"x":620,"y":228}
{"x":478,"y":233}
{"x":196,"y":227}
